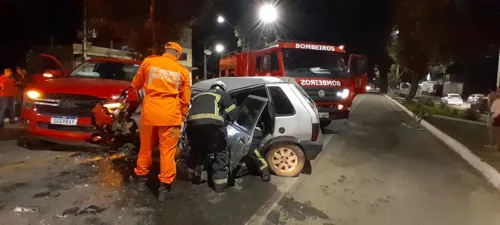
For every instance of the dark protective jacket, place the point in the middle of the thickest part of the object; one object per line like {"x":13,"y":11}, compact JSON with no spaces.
{"x":212,"y":107}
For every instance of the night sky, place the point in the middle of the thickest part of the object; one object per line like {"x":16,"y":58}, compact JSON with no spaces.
{"x":362,"y":25}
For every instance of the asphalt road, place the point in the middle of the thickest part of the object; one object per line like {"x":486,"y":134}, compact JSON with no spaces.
{"x":381,"y":168}
{"x":376,"y":168}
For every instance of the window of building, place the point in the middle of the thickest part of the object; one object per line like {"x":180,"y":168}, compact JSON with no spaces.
{"x":231,"y":73}
{"x":184,"y":57}
{"x":222,"y":73}
{"x":282,"y":104}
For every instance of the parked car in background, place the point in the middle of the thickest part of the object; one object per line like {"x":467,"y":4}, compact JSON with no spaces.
{"x":481,"y":106}
{"x":452,"y":99}
{"x":59,"y":109}
{"x":475,"y":98}
{"x":287,"y":116}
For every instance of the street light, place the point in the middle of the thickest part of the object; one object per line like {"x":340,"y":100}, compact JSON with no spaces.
{"x":219,"y":48}
{"x":221,"y":19}
{"x":268,"y":13}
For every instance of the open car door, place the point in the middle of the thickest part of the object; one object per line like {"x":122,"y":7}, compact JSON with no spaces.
{"x":240,"y":132}
{"x":358,"y":73}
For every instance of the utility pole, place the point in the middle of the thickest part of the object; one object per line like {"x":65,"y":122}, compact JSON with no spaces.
{"x":205,"y":59}
{"x":84,"y":44}
{"x":152,"y":24}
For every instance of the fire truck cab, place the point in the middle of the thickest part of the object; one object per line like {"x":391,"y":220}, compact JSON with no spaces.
{"x":320,"y":69}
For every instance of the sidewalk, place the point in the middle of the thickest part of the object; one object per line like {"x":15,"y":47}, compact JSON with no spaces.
{"x":473,"y":136}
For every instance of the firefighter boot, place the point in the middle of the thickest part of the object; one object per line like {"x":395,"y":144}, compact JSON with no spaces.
{"x":266,"y":175}
{"x":164,"y":192}
{"x":140,"y":183}
{"x":219,"y":188}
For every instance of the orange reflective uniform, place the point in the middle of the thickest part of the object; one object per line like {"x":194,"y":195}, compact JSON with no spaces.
{"x":167,"y":87}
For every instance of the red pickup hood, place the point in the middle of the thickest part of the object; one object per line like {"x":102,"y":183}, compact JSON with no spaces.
{"x":102,"y":88}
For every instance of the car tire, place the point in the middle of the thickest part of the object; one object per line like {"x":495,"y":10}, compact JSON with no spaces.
{"x":285,"y":159}
{"x":324,"y":124}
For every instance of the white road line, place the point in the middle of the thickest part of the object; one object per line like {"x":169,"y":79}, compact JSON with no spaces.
{"x":261,"y":214}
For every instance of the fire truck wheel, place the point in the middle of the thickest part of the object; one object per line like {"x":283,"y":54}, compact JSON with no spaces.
{"x":285,"y":159}
{"x":324,"y":124}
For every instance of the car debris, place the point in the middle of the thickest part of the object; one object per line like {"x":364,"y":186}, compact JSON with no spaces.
{"x":25,"y":209}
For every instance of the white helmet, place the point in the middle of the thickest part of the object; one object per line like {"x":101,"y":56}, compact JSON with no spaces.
{"x":219,"y":84}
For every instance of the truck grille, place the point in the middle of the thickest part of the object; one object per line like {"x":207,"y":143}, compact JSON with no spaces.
{"x":330,"y":94}
{"x":68,"y":105}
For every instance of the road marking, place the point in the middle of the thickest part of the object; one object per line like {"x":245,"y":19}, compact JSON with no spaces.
{"x":261,"y":214}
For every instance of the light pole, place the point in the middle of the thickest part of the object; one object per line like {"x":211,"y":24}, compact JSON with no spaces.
{"x":498,"y":71}
{"x":219,"y":48}
{"x":84,"y":44}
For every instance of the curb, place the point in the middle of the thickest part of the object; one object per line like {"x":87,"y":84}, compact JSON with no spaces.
{"x":491,"y":174}
{"x":460,"y":120}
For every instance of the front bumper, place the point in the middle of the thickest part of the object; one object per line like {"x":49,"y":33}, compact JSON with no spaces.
{"x":333,"y":114}
{"x":311,"y":148}
{"x":38,"y":125}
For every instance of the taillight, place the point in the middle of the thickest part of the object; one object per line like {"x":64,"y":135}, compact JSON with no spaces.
{"x":315,"y":132}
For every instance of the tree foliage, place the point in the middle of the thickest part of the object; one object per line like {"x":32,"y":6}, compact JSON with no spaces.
{"x":127,"y":21}
{"x":435,"y":33}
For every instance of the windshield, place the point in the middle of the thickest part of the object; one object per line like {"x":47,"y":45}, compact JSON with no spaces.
{"x":454,"y":96}
{"x":106,"y":70}
{"x":312,"y":63}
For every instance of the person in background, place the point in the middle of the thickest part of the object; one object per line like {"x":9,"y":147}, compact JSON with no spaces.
{"x":7,"y":96}
{"x":492,"y":96}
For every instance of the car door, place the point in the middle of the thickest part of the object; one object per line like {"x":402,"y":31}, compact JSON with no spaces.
{"x":240,"y":132}
{"x":358,"y":72}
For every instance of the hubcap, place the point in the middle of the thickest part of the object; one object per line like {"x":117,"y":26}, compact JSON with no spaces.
{"x":285,"y":160}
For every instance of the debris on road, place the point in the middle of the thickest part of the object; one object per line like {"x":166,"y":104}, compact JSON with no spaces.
{"x":25,"y":209}
{"x":92,"y":210}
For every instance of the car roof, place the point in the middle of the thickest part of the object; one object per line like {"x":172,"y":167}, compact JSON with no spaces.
{"x":237,"y":83}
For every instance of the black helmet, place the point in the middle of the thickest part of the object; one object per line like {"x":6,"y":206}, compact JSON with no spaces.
{"x":218,"y":85}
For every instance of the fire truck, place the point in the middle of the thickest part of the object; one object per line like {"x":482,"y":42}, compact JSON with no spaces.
{"x":319,"y":68}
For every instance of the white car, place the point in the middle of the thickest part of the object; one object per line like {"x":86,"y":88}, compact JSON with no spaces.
{"x":452,"y":99}
{"x":475,"y":98}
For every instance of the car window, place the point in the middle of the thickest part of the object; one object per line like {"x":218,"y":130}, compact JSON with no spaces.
{"x":282,"y":104}
{"x":454,"y":96}
{"x":248,"y":114}
{"x":106,"y":70}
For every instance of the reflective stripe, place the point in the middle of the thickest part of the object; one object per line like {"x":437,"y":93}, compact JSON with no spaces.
{"x":205,"y":116}
{"x":151,"y":72}
{"x":230,"y":108}
{"x":262,"y":160}
{"x":220,"y":181}
{"x":215,"y":115}
{"x":258,"y":128}
{"x":177,"y":79}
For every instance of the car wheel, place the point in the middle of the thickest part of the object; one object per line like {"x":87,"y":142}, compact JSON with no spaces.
{"x":286,"y":160}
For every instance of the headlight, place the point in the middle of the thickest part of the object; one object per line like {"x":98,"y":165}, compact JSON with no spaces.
{"x":114,"y":105}
{"x":368,"y":88}
{"x":33,"y":94}
{"x":49,"y":75}
{"x":343,"y":94}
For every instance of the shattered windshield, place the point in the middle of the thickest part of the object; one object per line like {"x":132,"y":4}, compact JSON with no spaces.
{"x":312,"y":63}
{"x":106,"y":70}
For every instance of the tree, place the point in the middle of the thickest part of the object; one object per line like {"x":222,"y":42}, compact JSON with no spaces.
{"x":435,"y":33}
{"x":130,"y":25}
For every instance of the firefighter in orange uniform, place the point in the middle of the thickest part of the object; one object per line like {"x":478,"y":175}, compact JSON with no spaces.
{"x":167,"y":87}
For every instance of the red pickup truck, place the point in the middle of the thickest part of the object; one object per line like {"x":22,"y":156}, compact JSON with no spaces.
{"x":59,"y":110}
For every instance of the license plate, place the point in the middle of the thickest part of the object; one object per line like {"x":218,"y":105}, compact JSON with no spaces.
{"x":64,"y":120}
{"x":324,"y":115}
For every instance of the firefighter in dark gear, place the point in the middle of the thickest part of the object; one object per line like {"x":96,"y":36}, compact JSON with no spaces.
{"x":256,"y":158}
{"x":210,"y":112}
